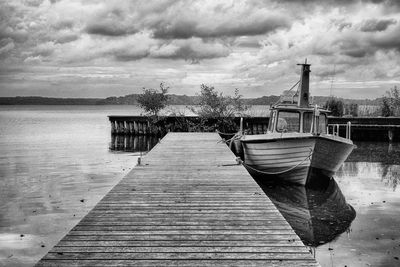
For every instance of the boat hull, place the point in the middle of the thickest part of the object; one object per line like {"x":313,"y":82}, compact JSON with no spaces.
{"x":295,"y":159}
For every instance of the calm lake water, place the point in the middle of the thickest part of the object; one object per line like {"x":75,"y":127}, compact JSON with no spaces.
{"x":57,"y":162}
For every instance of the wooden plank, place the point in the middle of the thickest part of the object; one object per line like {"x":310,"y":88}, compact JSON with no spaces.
{"x":174,"y":262}
{"x":182,"y":243}
{"x":177,"y":249}
{"x":188,"y":204}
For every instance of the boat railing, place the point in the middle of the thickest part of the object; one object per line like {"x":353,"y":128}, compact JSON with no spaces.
{"x":335,"y":129}
{"x":348,"y":130}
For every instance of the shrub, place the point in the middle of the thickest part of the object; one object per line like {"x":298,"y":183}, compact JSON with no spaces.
{"x":152,"y":100}
{"x":216,"y":111}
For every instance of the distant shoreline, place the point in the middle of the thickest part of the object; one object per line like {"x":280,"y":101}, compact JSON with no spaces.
{"x":173,"y":100}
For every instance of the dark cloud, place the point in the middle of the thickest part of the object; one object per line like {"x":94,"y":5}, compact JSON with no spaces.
{"x":63,"y":24}
{"x":356,"y":52}
{"x":113,"y":22}
{"x":12,"y":24}
{"x":131,"y":56}
{"x":383,"y":2}
{"x":374,"y":25}
{"x":33,"y":3}
{"x":6,"y":45}
{"x":65,"y":38}
{"x":328,"y":73}
{"x":249,"y":42}
{"x":184,"y":20}
{"x":362,"y":44}
{"x":341,"y":2}
{"x":344,"y":25}
{"x":108,"y":29}
{"x":387,"y":41}
{"x":191,"y":50}
{"x":249,"y":26}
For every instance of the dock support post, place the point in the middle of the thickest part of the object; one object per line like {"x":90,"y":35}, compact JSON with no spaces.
{"x":390,"y":135}
{"x":113,"y":130}
{"x":140,"y":128}
{"x":130,"y":124}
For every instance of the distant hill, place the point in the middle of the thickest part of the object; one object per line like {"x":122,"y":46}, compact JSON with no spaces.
{"x":173,"y":100}
{"x":38,"y":100}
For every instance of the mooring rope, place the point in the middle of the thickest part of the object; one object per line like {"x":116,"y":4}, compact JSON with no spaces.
{"x":225,"y":133}
{"x":235,"y":136}
{"x":275,"y":173}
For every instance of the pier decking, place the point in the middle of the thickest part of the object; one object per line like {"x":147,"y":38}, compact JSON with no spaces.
{"x":187,"y":204}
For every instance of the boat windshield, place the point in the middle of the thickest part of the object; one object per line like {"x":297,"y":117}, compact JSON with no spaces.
{"x":288,"y":122}
{"x":307,"y":122}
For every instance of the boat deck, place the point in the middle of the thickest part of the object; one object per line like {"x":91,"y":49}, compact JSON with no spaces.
{"x":187,"y":204}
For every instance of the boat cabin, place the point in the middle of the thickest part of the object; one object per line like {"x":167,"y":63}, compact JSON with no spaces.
{"x":294,"y":114}
{"x":292,"y":119}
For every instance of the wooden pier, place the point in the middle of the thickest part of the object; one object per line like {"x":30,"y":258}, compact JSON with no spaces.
{"x":187,"y":204}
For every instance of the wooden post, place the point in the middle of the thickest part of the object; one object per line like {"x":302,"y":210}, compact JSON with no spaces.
{"x":135,"y":128}
{"x":144,"y":128}
{"x":112,"y":143}
{"x":125,"y":127}
{"x":122,"y":127}
{"x":130,"y":127}
{"x":113,"y":130}
{"x":117,"y":127}
{"x":140,"y":127}
{"x":390,"y":135}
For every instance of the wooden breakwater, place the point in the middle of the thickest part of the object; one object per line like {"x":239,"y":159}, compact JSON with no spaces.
{"x":362,"y":128}
{"x":142,"y":125}
{"x":368,"y":128}
{"x":187,"y":204}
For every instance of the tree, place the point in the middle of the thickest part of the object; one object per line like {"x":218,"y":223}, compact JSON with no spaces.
{"x":214,"y":104}
{"x":335,"y":106}
{"x":216,"y":110}
{"x":351,"y":109}
{"x":390,"y":105}
{"x":386,"y":110}
{"x":152,"y":100}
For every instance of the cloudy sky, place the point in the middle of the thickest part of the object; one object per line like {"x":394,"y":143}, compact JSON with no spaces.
{"x":92,"y":48}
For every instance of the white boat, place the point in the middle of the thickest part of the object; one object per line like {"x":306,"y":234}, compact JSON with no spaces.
{"x":297,"y":142}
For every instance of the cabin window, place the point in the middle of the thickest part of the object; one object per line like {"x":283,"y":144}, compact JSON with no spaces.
{"x":288,"y":122}
{"x":271,"y":121}
{"x":307,"y":121}
{"x":322,"y":123}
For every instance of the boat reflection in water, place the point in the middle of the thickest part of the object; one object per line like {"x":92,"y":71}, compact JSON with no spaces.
{"x":318,"y":215}
{"x":127,"y":143}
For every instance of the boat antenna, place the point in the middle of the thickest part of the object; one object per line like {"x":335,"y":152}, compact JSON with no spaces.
{"x":333,"y":77}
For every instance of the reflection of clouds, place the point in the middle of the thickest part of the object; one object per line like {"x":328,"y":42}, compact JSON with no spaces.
{"x":388,"y":174}
{"x":370,"y":188}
